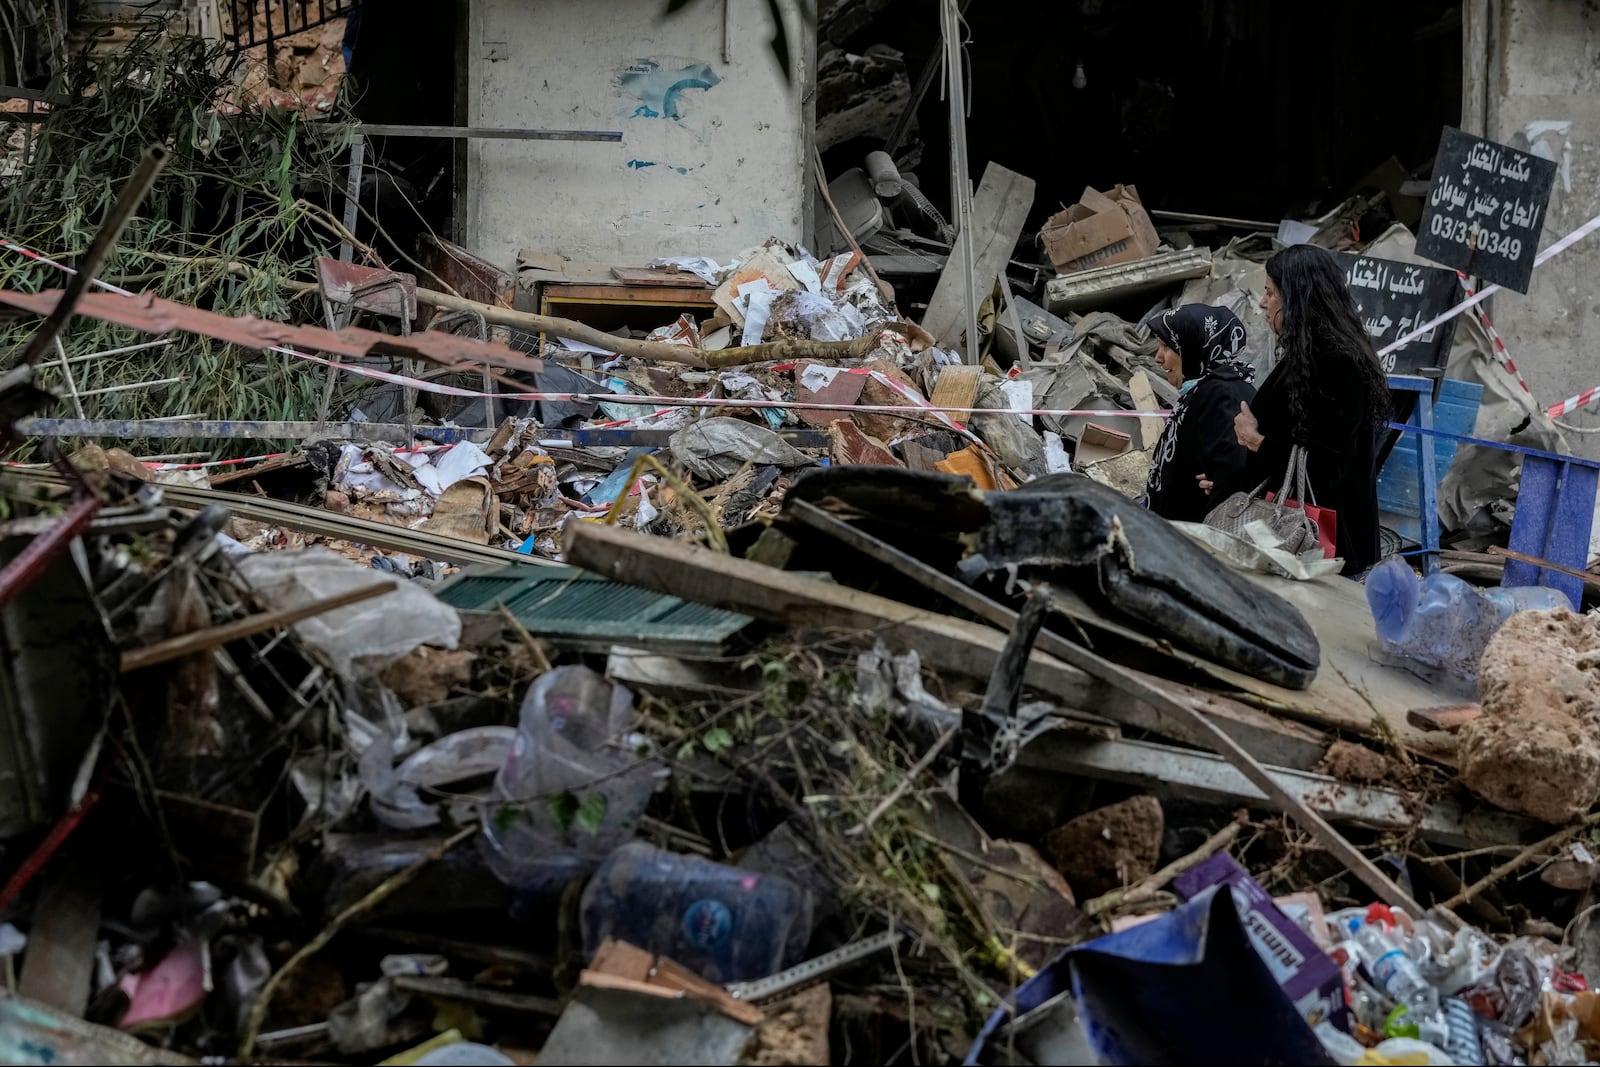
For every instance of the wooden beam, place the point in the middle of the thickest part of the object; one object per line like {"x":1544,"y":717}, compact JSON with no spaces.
{"x":1590,"y":581}
{"x":1283,"y":744}
{"x":772,"y":351}
{"x":216,"y":636}
{"x":807,"y":604}
{"x":999,"y":210}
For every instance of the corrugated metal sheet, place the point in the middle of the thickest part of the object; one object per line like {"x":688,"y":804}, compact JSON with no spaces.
{"x":576,"y":609}
{"x":154,"y":315}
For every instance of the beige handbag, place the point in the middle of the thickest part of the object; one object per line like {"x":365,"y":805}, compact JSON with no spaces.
{"x":1297,"y":530}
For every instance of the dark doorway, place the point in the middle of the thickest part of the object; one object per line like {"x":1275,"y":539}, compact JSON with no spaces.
{"x":1225,"y":107}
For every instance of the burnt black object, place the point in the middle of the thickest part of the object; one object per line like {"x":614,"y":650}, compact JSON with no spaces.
{"x":1069,"y":530}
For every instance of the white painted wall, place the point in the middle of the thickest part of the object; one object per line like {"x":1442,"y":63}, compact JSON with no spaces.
{"x":700,"y":171}
{"x":1543,"y":92}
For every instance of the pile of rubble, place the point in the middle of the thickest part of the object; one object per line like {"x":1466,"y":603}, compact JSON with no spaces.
{"x":788,"y":682}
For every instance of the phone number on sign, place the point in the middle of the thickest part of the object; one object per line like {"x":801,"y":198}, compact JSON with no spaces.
{"x":1475,"y":235}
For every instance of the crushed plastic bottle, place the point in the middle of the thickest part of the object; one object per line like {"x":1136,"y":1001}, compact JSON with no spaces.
{"x":723,"y":923}
{"x":1382,"y":950}
{"x":574,"y":785}
{"x":1438,"y":626}
{"x":1463,"y":1043}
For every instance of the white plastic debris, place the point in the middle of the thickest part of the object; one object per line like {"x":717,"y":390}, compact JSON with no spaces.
{"x":365,"y":636}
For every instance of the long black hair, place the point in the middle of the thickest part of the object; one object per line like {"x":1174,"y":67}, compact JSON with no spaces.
{"x":1321,"y":333}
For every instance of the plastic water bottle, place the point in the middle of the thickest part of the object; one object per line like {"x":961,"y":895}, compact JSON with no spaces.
{"x":1463,"y":1043}
{"x":1383,"y":952}
{"x":723,"y":923}
{"x":1441,"y":622}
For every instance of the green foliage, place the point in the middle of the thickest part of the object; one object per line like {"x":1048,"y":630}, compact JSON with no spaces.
{"x":236,"y":189}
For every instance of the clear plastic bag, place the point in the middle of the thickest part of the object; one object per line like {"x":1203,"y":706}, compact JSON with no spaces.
{"x":574,"y":784}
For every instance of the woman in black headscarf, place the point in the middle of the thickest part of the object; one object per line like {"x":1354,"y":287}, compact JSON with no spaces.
{"x":1198,"y":346}
{"x":1327,"y":392}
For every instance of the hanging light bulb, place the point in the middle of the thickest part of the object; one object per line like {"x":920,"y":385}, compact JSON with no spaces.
{"x":1078,"y":80}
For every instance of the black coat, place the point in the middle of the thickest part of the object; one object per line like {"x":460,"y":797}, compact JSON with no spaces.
{"x":1342,"y":456}
{"x":1206,"y":444}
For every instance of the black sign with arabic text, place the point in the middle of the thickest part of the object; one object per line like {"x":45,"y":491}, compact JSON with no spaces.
{"x":1486,"y":209}
{"x":1395,"y":298}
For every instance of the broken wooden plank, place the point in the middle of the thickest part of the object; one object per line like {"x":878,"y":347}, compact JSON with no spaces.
{"x":216,"y":636}
{"x":957,"y":387}
{"x":1283,"y":744}
{"x":807,"y":604}
{"x":1590,"y":581}
{"x":1448,"y":719}
{"x":706,"y":577}
{"x":1208,"y":777}
{"x":999,"y":211}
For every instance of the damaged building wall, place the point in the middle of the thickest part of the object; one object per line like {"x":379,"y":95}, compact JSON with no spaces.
{"x":1542,"y":92}
{"x":715,"y":151}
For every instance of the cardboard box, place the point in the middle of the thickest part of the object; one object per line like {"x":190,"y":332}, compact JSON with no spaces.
{"x":1099,"y":442}
{"x":1100,"y":229}
{"x":1308,"y":975}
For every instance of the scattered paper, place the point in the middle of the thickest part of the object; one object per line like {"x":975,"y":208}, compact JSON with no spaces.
{"x":806,"y":275}
{"x":755,"y":300}
{"x":701,"y":267}
{"x":1019,"y":397}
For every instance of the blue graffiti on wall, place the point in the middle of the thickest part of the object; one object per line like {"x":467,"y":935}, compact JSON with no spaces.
{"x":657,"y":84}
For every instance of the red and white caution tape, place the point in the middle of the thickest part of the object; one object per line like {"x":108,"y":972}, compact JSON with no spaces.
{"x":1573,"y":403}
{"x":1489,"y":290}
{"x":915,"y":403}
{"x":1501,"y":354}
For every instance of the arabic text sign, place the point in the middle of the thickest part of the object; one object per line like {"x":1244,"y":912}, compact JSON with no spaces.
{"x":1486,"y":209}
{"x":1395,"y":298}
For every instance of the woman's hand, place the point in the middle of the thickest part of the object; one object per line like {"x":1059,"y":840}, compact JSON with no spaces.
{"x":1206,"y":484}
{"x":1247,"y":429}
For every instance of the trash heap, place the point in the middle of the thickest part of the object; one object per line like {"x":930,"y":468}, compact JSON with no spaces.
{"x":820,"y":792}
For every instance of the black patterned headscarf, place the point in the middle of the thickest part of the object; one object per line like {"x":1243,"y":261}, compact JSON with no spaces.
{"x":1208,"y":340}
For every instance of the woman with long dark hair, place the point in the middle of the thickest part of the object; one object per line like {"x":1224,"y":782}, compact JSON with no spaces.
{"x":1327,"y":393}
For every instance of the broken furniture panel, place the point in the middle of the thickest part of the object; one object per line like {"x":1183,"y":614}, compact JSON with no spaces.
{"x":575,"y":609}
{"x":57,"y":664}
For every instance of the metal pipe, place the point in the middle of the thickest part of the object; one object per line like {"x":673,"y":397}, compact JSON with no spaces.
{"x":105,"y":239}
{"x":121,"y":351}
{"x":389,"y":129}
{"x":131,"y":385}
{"x":31,"y":562}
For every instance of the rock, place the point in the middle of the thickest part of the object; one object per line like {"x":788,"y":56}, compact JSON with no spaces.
{"x":795,"y":1031}
{"x":1535,"y":750}
{"x":1024,"y":896}
{"x":428,"y":675}
{"x":335,"y":501}
{"x":1350,"y":762}
{"x":1109,"y":847}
